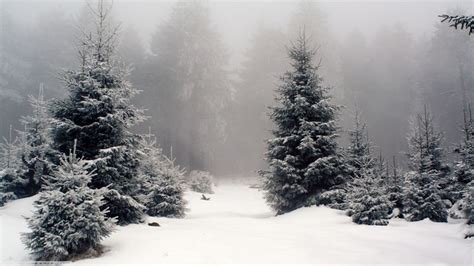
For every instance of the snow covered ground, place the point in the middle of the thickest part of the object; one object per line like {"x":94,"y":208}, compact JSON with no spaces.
{"x":236,"y":226}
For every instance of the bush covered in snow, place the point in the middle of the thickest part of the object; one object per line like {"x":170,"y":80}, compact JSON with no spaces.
{"x":336,"y":198}
{"x":67,"y":221}
{"x":200,"y":181}
{"x":124,"y":208}
{"x":6,"y":197}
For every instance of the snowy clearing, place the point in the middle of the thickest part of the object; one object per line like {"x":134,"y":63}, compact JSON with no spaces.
{"x":236,"y":226}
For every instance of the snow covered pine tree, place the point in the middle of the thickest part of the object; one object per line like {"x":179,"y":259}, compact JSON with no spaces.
{"x":303,"y":157}
{"x":37,"y":155}
{"x":422,"y":196}
{"x":29,"y":157}
{"x":68,"y":220}
{"x":98,"y":114}
{"x":10,"y":179}
{"x":368,"y":203}
{"x":162,"y":189}
{"x":464,"y":173}
{"x":358,"y":152}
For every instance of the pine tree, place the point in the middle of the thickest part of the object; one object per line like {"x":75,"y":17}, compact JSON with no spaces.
{"x":394,"y":188}
{"x":358,"y":152}
{"x":98,"y":113}
{"x":369,"y":204}
{"x":37,"y":155}
{"x":68,"y":220}
{"x":189,"y":70}
{"x":9,"y":151}
{"x":463,"y":188}
{"x":303,"y":156}
{"x":422,"y":197}
{"x":247,"y":115}
{"x":163,"y":192}
{"x":166,"y":196}
{"x":464,"y":22}
{"x":11,"y":180}
{"x":126,"y":209}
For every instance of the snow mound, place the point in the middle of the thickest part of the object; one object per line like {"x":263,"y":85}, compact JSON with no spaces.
{"x":236,"y":226}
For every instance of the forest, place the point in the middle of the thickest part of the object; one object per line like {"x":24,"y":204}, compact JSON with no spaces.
{"x":181,"y":114}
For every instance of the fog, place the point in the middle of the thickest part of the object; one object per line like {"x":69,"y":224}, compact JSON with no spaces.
{"x":386,"y":58}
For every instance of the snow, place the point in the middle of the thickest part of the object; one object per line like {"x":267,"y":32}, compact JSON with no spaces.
{"x":236,"y":226}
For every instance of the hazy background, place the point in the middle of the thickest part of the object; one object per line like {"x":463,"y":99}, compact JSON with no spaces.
{"x":388,"y":58}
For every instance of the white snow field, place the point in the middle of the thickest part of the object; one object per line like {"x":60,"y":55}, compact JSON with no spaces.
{"x":236,"y":226}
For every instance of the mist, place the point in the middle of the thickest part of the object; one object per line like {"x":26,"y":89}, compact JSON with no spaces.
{"x":387,"y":59}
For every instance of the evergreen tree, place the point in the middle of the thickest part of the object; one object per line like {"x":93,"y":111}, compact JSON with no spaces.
{"x":422,"y":197}
{"x":465,"y":22}
{"x":463,"y":189}
{"x":163,"y":192}
{"x":369,"y":204}
{"x":310,"y":16}
{"x":394,"y":188}
{"x":448,"y":85}
{"x":98,"y":113}
{"x":190,"y":86}
{"x":464,"y":168}
{"x":68,"y":220}
{"x":247,"y":115}
{"x":469,"y":210}
{"x":358,"y":152}
{"x":303,"y":156}
{"x":166,"y":196}
{"x":14,"y":69}
{"x":37,"y":154}
{"x":28,"y":158}
{"x":10,"y":180}
{"x":124,"y":208}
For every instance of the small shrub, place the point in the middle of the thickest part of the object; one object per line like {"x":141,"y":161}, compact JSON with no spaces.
{"x":122,"y":207}
{"x":200,"y":181}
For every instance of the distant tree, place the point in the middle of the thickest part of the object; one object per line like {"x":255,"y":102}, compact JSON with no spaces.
{"x":188,"y":85}
{"x":465,"y":22}
{"x":308,"y":15}
{"x":131,"y":48}
{"x":447,"y":87}
{"x":303,"y":156}
{"x":422,"y":197}
{"x":200,"y":181}
{"x":14,"y":70}
{"x":67,"y":221}
{"x":247,"y":114}
{"x":98,"y":113}
{"x":51,"y":51}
